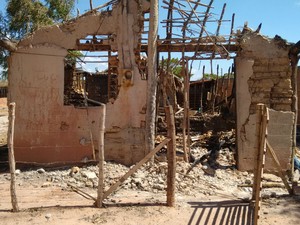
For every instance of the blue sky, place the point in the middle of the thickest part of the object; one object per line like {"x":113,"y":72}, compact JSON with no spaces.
{"x":277,"y":17}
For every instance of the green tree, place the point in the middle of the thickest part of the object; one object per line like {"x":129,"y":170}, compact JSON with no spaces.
{"x":3,"y":51}
{"x":173,"y":65}
{"x":23,"y":17}
{"x":209,"y":76}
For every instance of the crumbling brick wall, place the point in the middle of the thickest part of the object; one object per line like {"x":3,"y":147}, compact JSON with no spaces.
{"x":264,"y":76}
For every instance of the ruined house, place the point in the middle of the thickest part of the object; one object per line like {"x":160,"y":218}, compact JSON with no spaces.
{"x":49,"y":131}
{"x":264,"y":75}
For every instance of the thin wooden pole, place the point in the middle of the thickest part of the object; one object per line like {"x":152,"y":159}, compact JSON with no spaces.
{"x":220,"y":20}
{"x":212,"y":88}
{"x":222,"y":89}
{"x":202,"y":89}
{"x":11,"y":156}
{"x":279,"y":168}
{"x":82,"y":193}
{"x":261,"y":126}
{"x":135,"y":168}
{"x":171,"y":157}
{"x":109,"y":77}
{"x":101,"y":156}
{"x":152,"y":76}
{"x":185,"y":112}
{"x":99,"y":7}
{"x":91,"y":4}
{"x":206,"y":18}
{"x":188,"y":72}
{"x":231,"y":29}
{"x":217,"y":87}
{"x":227,"y":84}
{"x":88,"y":122}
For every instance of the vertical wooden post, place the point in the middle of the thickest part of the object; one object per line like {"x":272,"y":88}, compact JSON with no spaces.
{"x":188,"y":72}
{"x":222,"y":89}
{"x":227,"y":84}
{"x":202,"y":89}
{"x":109,"y":77}
{"x":91,"y":4}
{"x":216,"y":88}
{"x":261,"y":132}
{"x":152,"y":76}
{"x":11,"y":156}
{"x":186,"y":110}
{"x":101,"y":156}
{"x":171,"y":157}
{"x":212,"y":88}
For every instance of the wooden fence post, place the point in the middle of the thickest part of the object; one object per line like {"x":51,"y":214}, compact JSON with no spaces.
{"x":101,"y":156}
{"x":261,"y":133}
{"x":11,"y":156}
{"x":171,"y":157}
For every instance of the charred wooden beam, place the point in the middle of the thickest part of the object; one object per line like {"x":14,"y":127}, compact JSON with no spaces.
{"x":190,"y":47}
{"x":176,"y":47}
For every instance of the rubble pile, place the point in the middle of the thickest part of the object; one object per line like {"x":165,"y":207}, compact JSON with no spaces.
{"x":72,"y":97}
{"x":211,"y":171}
{"x":151,"y":177}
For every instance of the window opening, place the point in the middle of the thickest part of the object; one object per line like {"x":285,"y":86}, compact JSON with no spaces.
{"x":91,"y":71}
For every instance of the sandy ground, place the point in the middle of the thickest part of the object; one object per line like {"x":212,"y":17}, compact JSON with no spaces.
{"x":50,"y":204}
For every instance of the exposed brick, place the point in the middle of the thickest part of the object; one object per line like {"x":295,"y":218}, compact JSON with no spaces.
{"x":282,"y":107}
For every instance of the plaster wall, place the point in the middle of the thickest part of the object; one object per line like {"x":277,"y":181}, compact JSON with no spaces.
{"x":263,"y":76}
{"x":46,"y":130}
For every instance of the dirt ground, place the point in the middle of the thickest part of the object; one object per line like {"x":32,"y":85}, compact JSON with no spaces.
{"x":45,"y":198}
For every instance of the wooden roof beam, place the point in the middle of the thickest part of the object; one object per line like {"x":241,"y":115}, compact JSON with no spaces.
{"x":178,"y":47}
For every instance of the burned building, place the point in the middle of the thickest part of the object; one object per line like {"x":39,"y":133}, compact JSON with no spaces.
{"x":48,"y":130}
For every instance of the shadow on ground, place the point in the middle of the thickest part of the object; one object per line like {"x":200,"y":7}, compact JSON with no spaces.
{"x":231,"y":212}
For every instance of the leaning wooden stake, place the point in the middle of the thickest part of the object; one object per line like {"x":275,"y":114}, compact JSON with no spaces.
{"x":171,"y":157}
{"x":279,"y":168}
{"x":261,"y":133}
{"x":101,"y":156}
{"x":11,"y":156}
{"x":135,"y":168}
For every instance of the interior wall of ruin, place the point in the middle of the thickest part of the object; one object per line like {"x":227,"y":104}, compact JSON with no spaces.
{"x":49,"y":131}
{"x":263,"y":76}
